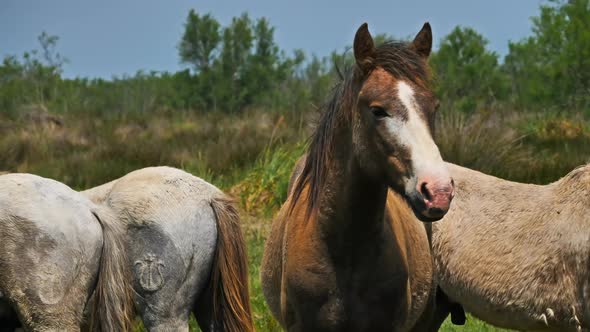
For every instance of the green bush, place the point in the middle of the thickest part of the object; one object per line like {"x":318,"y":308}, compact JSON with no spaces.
{"x":264,"y":187}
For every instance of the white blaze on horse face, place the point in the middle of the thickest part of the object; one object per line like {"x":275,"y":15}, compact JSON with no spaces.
{"x":414,"y":135}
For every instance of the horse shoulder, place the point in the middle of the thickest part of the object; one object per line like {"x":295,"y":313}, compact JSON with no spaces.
{"x":274,"y":269}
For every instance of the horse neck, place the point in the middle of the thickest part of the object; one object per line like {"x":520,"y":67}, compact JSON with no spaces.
{"x":352,"y":204}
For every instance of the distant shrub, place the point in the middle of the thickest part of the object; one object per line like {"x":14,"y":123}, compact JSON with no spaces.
{"x":557,"y":129}
{"x":484,"y":143}
{"x":520,"y":147}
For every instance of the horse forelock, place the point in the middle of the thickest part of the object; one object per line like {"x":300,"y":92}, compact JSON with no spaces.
{"x":403,"y":63}
{"x":398,"y":59}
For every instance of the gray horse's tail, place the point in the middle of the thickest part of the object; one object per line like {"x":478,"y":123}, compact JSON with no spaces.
{"x":229,"y":276}
{"x":113,"y":303}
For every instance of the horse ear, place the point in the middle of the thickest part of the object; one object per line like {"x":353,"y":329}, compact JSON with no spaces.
{"x":422,"y":43}
{"x":364,"y":48}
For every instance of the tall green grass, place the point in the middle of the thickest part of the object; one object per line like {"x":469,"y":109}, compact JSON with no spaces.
{"x":264,"y":187}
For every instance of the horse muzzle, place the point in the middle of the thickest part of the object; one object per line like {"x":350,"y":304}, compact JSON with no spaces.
{"x":432,"y":197}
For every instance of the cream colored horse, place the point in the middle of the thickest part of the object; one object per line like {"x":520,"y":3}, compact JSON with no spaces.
{"x":518,"y":255}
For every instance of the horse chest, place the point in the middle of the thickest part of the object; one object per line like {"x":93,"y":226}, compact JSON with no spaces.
{"x":362,"y":292}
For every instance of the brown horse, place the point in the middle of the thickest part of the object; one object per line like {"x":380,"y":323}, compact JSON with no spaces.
{"x":517,"y":255}
{"x":347,"y":251}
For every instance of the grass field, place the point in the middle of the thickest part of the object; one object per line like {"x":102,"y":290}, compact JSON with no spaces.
{"x":251,"y":155}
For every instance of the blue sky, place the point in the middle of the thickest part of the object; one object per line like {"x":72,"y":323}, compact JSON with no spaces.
{"x":114,"y":37}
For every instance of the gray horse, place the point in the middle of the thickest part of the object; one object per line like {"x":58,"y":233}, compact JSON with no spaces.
{"x":185,"y":247}
{"x":56,"y":249}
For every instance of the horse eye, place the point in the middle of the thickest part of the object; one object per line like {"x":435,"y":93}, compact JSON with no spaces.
{"x":379,"y":112}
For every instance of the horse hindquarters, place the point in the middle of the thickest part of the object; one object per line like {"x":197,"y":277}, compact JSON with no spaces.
{"x":171,"y":262}
{"x":48,"y":276}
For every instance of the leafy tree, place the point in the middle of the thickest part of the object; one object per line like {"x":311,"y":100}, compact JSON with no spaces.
{"x":33,"y":79}
{"x":53,"y":59}
{"x":237,"y":43}
{"x":199,"y":47}
{"x":264,"y":65}
{"x":234,"y":66}
{"x":553,"y":66}
{"x":291,"y":95}
{"x":231,"y":88}
{"x":467,"y":74}
{"x":200,"y":41}
{"x":319,"y":79}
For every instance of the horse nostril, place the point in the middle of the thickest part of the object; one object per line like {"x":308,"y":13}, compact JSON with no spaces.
{"x":425,"y":192}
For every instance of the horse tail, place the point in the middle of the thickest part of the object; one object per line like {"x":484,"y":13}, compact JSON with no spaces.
{"x":229,"y":277}
{"x":113,"y":306}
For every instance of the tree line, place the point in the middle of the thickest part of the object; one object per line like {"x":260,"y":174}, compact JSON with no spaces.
{"x":548,"y":70}
{"x":239,"y":66}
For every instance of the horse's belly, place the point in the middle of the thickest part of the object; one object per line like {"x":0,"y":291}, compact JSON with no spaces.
{"x":525,"y":314}
{"x":502,"y":316}
{"x":512,"y":289}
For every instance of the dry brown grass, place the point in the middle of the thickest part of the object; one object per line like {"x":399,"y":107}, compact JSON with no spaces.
{"x":484,"y":143}
{"x":86,"y":152}
{"x":518,"y":147}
